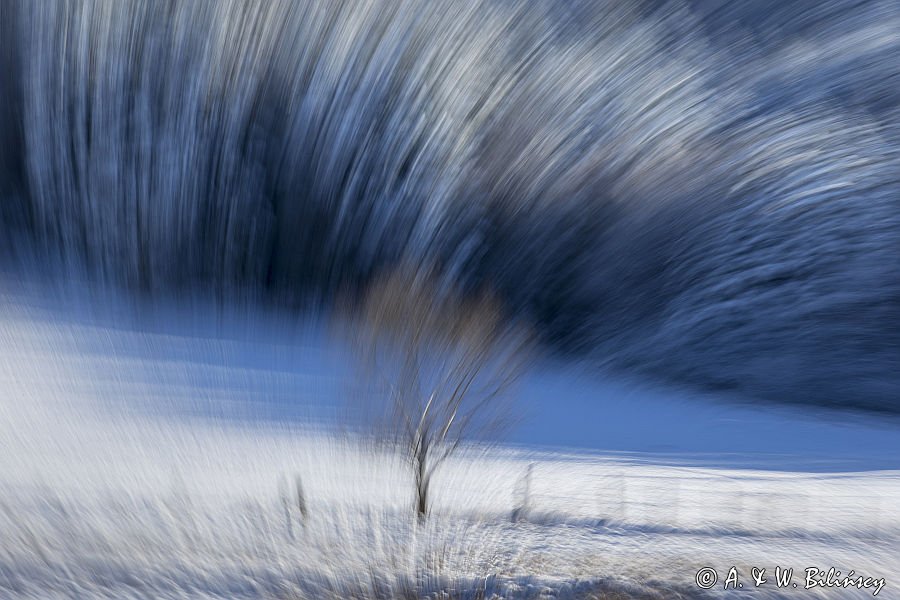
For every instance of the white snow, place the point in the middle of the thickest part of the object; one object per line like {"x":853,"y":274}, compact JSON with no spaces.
{"x":162,"y":463}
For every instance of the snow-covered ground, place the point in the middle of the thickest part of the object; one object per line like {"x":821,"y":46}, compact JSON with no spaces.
{"x":164,"y":462}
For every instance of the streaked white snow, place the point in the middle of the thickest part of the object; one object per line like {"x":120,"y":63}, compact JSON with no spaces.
{"x":163,"y":464}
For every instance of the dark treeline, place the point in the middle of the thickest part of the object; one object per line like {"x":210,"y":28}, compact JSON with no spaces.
{"x":706,"y":193}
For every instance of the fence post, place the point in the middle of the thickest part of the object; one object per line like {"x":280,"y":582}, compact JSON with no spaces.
{"x":301,"y":499}
{"x":524,"y":505}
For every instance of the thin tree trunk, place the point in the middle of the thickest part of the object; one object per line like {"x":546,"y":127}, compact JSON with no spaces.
{"x":422,"y":482}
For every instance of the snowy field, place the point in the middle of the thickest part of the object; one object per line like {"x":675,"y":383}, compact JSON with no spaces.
{"x":165,"y":464}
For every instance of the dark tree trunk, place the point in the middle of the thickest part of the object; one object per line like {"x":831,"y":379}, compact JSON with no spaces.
{"x":422,"y":482}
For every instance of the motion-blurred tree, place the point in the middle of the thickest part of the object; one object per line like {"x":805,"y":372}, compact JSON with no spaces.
{"x":443,"y":360}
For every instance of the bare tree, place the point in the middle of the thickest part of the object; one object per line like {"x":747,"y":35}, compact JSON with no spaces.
{"x":442,"y":360}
